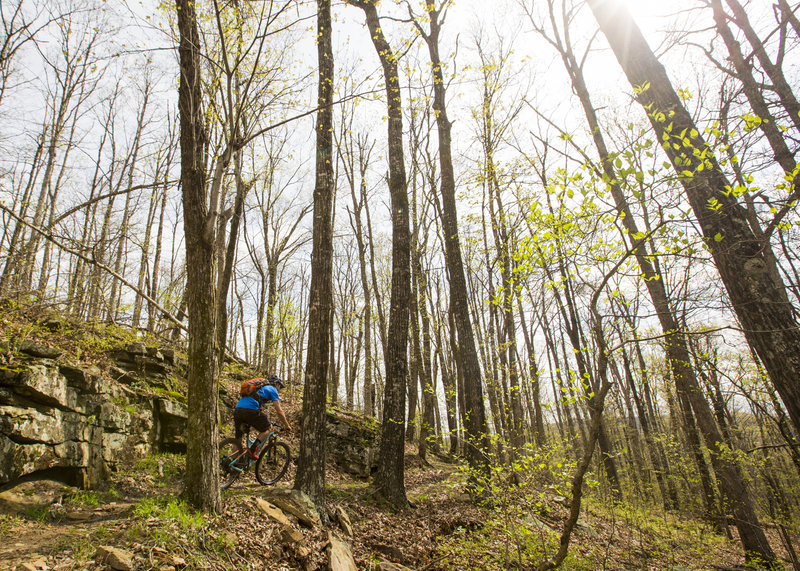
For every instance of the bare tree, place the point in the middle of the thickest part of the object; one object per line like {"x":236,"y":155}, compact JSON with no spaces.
{"x":311,"y":460}
{"x":469,"y":365}
{"x":390,"y":476}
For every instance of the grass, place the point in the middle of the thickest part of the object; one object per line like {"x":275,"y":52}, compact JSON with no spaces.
{"x":84,"y":499}
{"x":163,"y":467}
{"x":171,"y":510}
{"x":7,"y":522}
{"x":37,"y":513}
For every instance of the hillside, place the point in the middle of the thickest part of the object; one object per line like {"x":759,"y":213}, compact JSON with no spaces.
{"x":135,"y":518}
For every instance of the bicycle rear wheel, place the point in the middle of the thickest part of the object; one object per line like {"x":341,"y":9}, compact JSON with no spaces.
{"x":229,"y":450}
{"x":272,"y":463}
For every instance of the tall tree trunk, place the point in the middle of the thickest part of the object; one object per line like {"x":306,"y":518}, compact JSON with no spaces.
{"x":449,"y":385}
{"x":155,"y":280}
{"x":202,"y":458}
{"x":469,"y":366}
{"x":768,"y":322}
{"x":390,"y":477}
{"x":311,"y":460}
{"x":533,"y":371}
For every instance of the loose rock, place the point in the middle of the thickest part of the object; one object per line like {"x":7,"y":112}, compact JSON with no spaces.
{"x":340,"y":557}
{"x":117,"y":559}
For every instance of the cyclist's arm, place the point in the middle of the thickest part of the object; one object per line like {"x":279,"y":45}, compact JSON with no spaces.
{"x":281,"y":415}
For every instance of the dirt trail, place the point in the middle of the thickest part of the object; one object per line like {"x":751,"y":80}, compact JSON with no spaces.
{"x":63,"y":540}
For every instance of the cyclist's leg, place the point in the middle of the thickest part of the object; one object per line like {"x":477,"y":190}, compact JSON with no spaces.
{"x":254,"y":418}
{"x":240,"y":424}
{"x":262,"y":424}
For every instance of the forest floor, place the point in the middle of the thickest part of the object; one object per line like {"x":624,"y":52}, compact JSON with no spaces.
{"x":141,"y":513}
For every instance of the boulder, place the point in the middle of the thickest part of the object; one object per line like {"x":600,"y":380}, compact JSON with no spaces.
{"x":344,"y":520}
{"x":137,"y":348}
{"x":170,"y":417}
{"x":352,"y":443}
{"x":54,"y":322}
{"x":390,"y":551}
{"x":35,"y":349}
{"x":29,"y":495}
{"x":273,"y":512}
{"x":290,"y":536}
{"x":169,"y":356}
{"x":587,"y":529}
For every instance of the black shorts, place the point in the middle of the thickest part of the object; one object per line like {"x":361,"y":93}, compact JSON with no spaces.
{"x":251,"y":417}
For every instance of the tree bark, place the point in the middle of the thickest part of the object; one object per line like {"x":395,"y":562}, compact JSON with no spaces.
{"x":469,"y":366}
{"x":311,"y":459}
{"x":202,"y":459}
{"x":390,"y":477}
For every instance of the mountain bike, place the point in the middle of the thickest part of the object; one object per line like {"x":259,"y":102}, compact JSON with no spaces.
{"x":271,"y":458}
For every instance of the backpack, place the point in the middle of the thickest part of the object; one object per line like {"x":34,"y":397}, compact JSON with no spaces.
{"x":250,"y":387}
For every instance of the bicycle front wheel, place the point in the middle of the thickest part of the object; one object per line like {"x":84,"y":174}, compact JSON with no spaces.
{"x":272,"y":463}
{"x":229,"y":450}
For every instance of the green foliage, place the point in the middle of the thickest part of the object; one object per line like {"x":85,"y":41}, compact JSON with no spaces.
{"x":520,"y":493}
{"x":488,"y":548}
{"x":97,"y":338}
{"x":38,"y":513}
{"x":658,"y":535}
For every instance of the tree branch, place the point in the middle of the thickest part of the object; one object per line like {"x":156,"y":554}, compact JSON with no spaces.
{"x":93,"y":261}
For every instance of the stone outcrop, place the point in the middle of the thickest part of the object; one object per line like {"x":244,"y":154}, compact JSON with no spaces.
{"x":352,"y":443}
{"x":74,"y":424}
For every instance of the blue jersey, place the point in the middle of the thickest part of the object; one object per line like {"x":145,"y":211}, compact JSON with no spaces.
{"x":267,"y":393}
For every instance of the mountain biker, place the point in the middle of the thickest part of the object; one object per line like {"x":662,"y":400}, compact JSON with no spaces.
{"x":248,"y":410}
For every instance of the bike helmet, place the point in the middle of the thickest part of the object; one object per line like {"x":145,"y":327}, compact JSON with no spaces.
{"x":275,"y":381}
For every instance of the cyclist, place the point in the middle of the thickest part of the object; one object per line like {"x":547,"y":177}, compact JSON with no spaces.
{"x":248,"y":411}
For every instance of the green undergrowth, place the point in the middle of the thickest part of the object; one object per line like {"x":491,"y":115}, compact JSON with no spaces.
{"x":164,"y":469}
{"x":655,"y":536}
{"x":493,"y":547}
{"x":171,"y":510}
{"x":172,"y":526}
{"x":84,"y":500}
